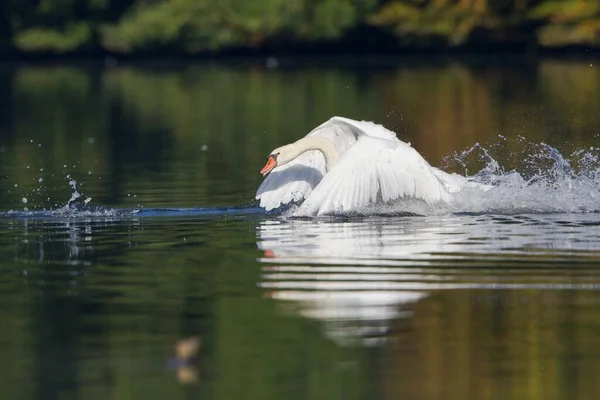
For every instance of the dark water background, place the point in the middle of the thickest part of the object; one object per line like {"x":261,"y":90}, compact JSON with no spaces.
{"x":169,"y":245}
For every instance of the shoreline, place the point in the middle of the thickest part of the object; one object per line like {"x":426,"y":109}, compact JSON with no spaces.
{"x":320,"y":53}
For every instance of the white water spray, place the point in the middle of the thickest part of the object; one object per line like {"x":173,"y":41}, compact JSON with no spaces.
{"x":536,"y":179}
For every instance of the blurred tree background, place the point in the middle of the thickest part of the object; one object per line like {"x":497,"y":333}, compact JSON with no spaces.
{"x":198,"y":26}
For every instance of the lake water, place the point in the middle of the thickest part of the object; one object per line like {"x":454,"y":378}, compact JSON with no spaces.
{"x":127,"y":224}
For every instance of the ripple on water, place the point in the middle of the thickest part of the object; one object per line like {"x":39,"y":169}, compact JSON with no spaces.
{"x":358,"y":276}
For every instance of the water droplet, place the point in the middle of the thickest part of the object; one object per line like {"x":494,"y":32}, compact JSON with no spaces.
{"x":204,"y":147}
{"x":27,"y":167}
{"x":64,"y":165}
{"x":40,"y":179}
{"x":89,"y":172}
{"x":24,"y":200}
{"x":91,"y":140}
{"x":16,"y":185}
{"x":41,"y":169}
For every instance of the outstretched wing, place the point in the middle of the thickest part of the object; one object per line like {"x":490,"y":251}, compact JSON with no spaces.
{"x":373,"y":170}
{"x":364,"y":128}
{"x":294,"y":181}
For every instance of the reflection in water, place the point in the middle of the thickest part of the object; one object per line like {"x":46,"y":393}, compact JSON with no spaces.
{"x":71,"y":241}
{"x":470,"y":306}
{"x":196,"y":135}
{"x":410,"y":240}
{"x":185,"y":359}
{"x":358,"y":273}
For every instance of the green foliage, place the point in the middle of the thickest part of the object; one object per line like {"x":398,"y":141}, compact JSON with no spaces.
{"x":197,"y":25}
{"x":563,"y":22}
{"x":570,"y":22}
{"x":56,"y":25}
{"x":451,"y":20}
{"x":332,"y":17}
{"x":191,"y":26}
{"x":48,"y":40}
{"x":200,"y":25}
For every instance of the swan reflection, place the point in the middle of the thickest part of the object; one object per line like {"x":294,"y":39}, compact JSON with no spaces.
{"x":357,"y":273}
{"x":344,"y":272}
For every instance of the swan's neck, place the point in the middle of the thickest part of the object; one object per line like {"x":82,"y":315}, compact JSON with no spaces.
{"x":321,"y":144}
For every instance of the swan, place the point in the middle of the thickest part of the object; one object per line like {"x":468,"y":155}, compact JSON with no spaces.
{"x":344,"y":165}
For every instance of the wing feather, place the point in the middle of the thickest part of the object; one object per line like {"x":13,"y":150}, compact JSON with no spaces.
{"x":291,"y":182}
{"x":373,"y":170}
{"x":294,"y":181}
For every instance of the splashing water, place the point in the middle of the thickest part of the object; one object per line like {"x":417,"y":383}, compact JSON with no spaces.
{"x":75,"y":195}
{"x":537,"y":178}
{"x":34,"y":198}
{"x":543,"y":181}
{"x":76,"y":207}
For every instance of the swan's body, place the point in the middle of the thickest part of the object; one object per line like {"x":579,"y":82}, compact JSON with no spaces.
{"x":345,"y":165}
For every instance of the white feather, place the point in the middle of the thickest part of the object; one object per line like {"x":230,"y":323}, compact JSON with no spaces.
{"x":294,"y":181}
{"x":374,"y":166}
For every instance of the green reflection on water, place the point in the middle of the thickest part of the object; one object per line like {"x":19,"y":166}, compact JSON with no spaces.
{"x":107,"y":329}
{"x":197,"y":135}
{"x":96,"y":314}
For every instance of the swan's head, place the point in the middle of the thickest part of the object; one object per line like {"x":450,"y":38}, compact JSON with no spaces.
{"x":279,"y":156}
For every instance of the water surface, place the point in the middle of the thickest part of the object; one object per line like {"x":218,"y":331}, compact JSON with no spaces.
{"x":127,"y":224}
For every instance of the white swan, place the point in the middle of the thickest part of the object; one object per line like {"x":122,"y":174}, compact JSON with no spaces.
{"x":345,"y":165}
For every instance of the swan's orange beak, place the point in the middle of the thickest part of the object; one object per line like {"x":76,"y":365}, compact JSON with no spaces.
{"x":269,"y":254}
{"x":271,"y":163}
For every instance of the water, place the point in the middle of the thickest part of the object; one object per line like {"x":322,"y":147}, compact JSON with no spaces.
{"x":128,"y":235}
